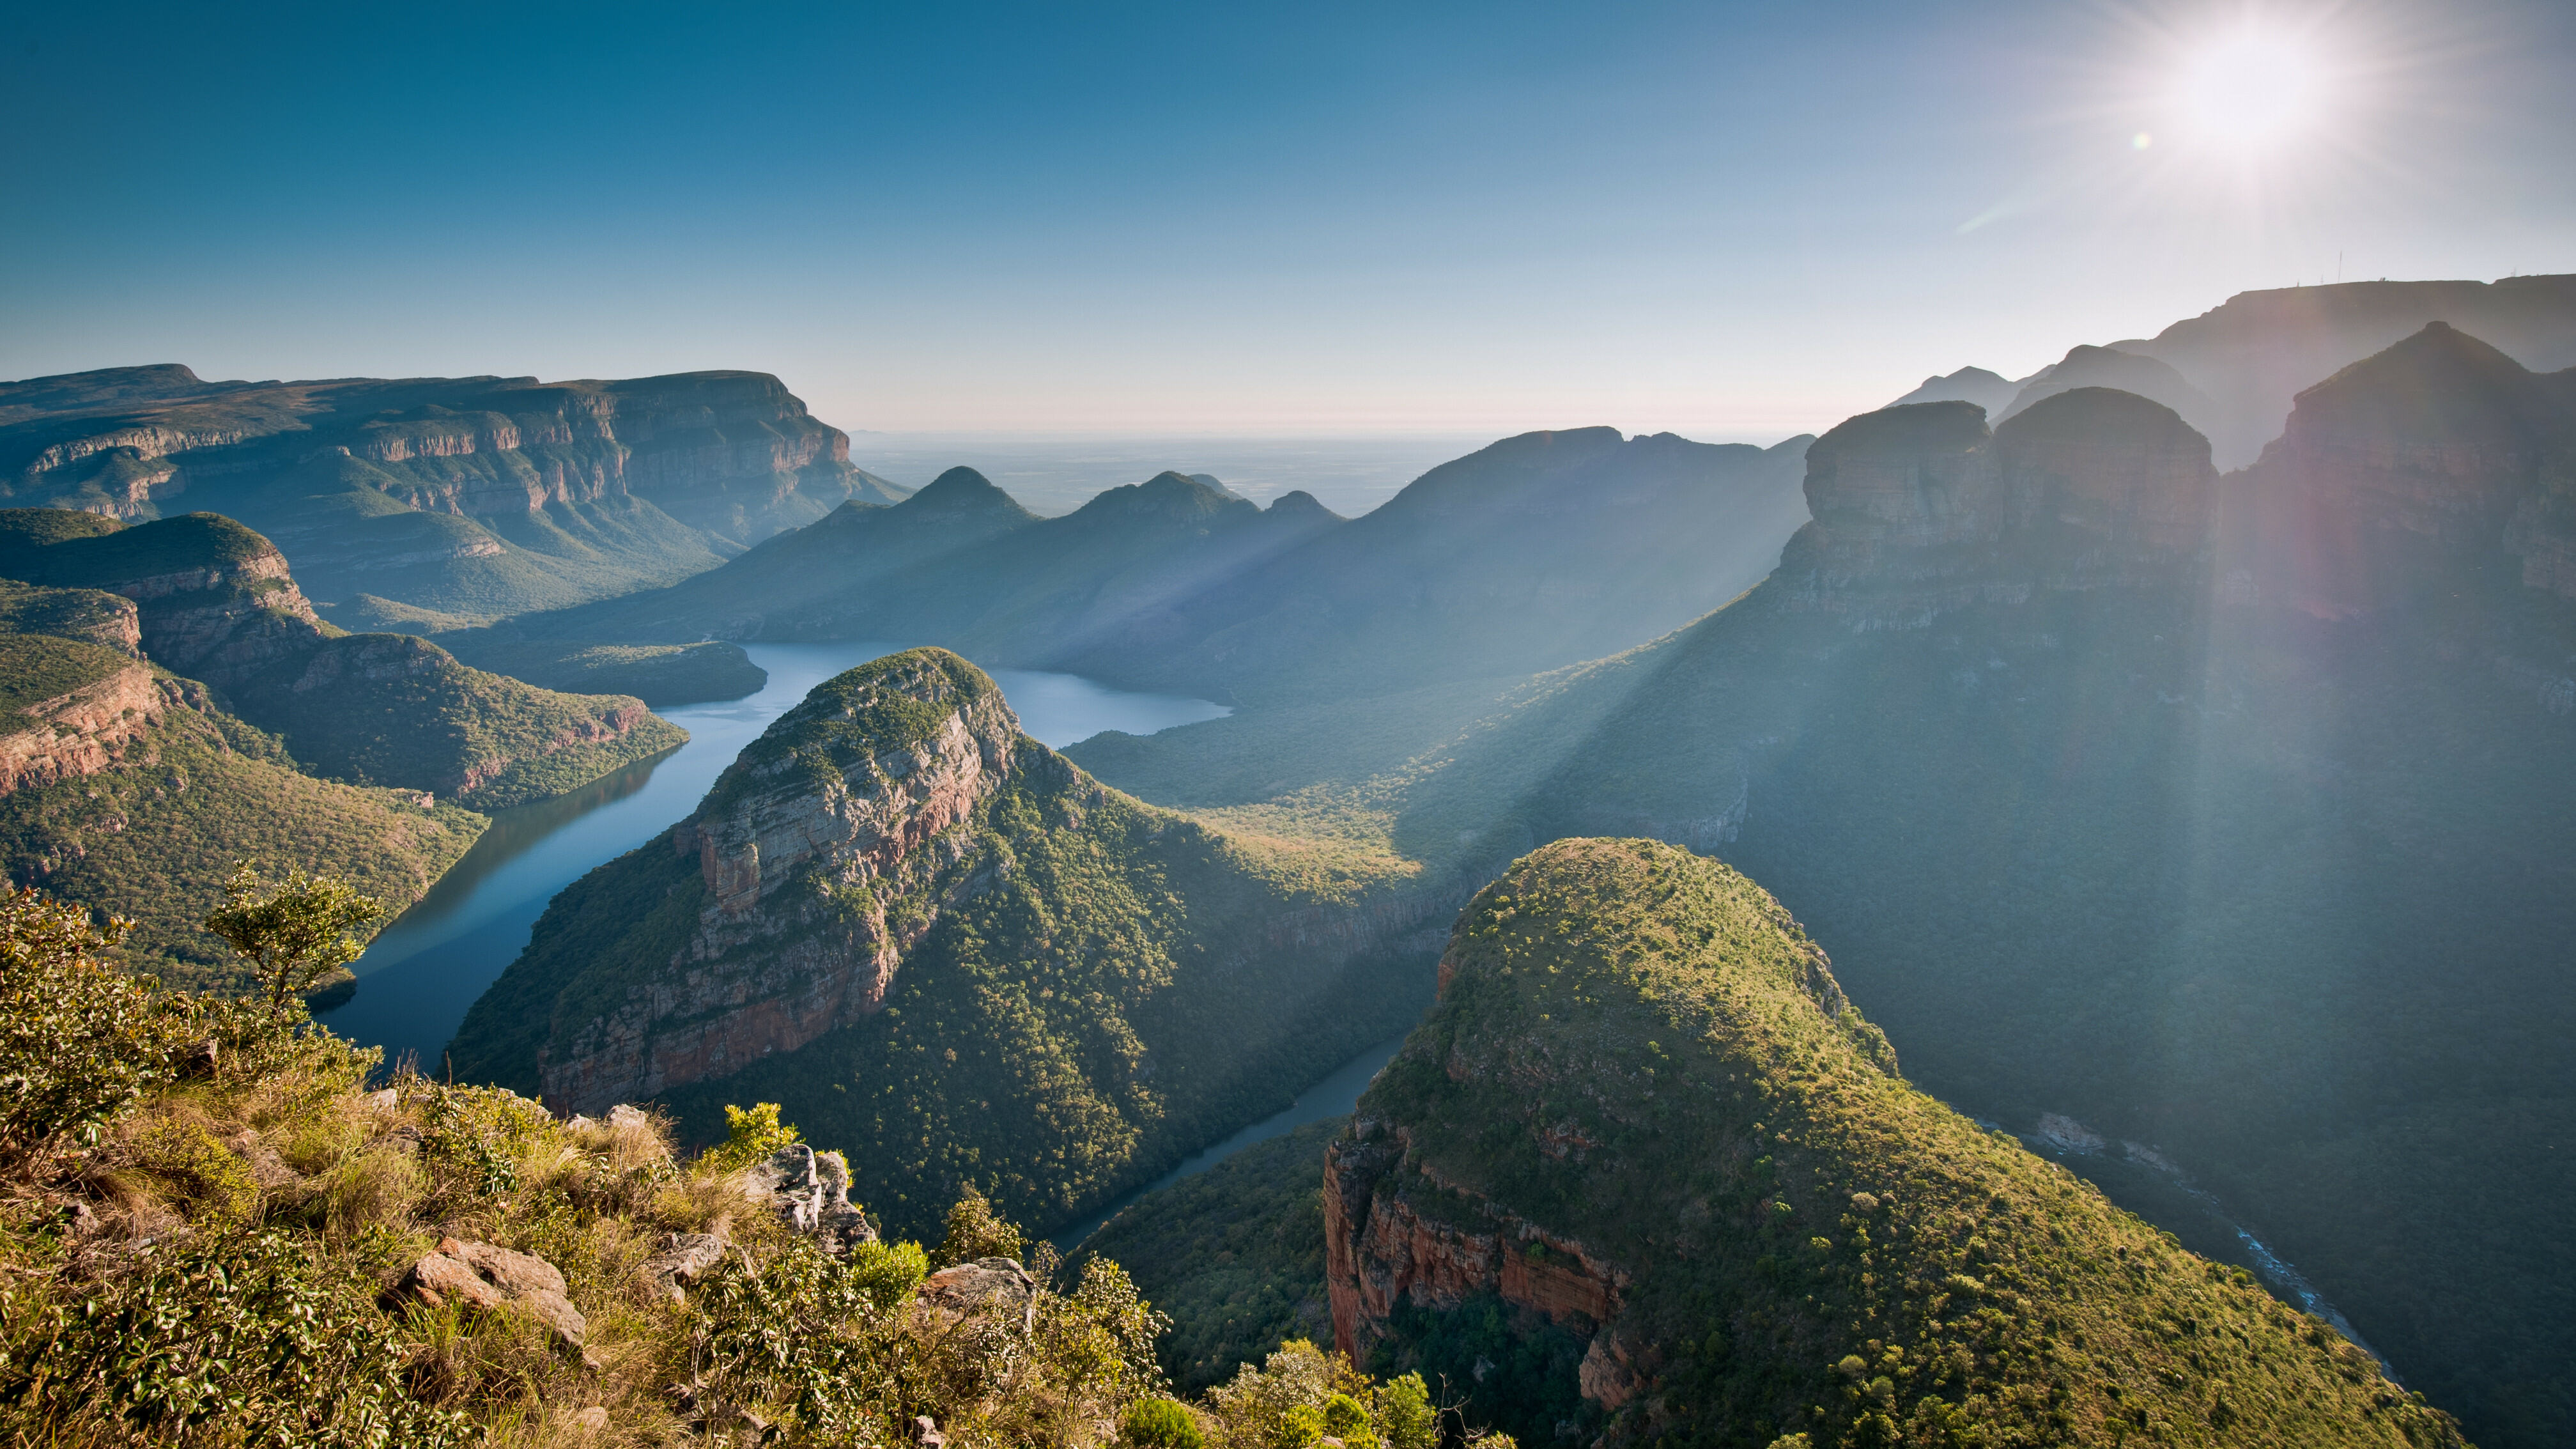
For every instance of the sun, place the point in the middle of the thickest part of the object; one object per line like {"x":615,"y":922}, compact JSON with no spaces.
{"x":2250,"y":91}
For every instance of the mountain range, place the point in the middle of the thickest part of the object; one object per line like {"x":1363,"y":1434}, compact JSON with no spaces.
{"x":2172,"y":749}
{"x":1537,"y":551}
{"x":2217,"y":822}
{"x":2234,"y":371}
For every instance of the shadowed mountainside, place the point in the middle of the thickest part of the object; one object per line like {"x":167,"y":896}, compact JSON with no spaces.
{"x":2226,"y":816}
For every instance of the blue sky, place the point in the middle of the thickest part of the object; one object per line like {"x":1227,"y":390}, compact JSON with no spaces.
{"x":1730,"y":220}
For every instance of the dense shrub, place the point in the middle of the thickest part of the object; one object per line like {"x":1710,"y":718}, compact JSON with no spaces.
{"x":249,"y":1335}
{"x":1159,"y":1424}
{"x":77,"y":1041}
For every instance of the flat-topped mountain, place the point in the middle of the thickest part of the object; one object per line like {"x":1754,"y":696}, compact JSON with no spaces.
{"x":462,"y":497}
{"x":897,"y":915}
{"x":1646,"y":1153}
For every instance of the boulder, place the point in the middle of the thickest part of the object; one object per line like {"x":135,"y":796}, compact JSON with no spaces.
{"x":984,"y":1285}
{"x":684,"y":1259}
{"x":483,"y":1276}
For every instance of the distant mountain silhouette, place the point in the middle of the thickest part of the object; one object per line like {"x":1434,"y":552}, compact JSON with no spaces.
{"x":1988,"y":390}
{"x":1538,"y":551}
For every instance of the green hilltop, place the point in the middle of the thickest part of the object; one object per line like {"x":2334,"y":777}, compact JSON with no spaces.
{"x":1643,"y":1095}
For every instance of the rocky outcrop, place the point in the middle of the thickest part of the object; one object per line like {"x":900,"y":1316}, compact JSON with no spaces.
{"x":1920,"y":509}
{"x":809,"y":1191}
{"x":823,"y":854}
{"x":1381,"y":1248}
{"x":983,"y":1285}
{"x":80,"y":733}
{"x":2438,"y":452}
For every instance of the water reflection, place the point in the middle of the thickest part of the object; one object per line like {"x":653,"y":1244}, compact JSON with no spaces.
{"x":420,"y":975}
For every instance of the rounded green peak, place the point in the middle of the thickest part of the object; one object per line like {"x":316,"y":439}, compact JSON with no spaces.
{"x":1640,"y":1066}
{"x":41,"y":527}
{"x":887,"y":704}
{"x":189,"y":541}
{"x":1631,"y":920}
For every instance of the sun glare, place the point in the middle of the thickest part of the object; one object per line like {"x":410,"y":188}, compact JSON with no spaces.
{"x":2250,"y":91}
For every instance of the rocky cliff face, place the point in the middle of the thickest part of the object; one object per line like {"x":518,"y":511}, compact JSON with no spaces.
{"x":1919,"y":509}
{"x":515,"y":494}
{"x":2439,"y":450}
{"x":80,"y":732}
{"x":823,"y":854}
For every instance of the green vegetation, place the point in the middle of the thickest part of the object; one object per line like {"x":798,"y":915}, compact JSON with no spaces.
{"x":154,"y":836}
{"x":1087,"y":990}
{"x":294,"y":937}
{"x":658,"y":674}
{"x":215,"y":1246}
{"x":388,"y":708}
{"x":1639,"y":1050}
{"x":89,"y":615}
{"x":1234,"y":1256}
{"x":51,"y":550}
{"x":2274,"y":896}
{"x":35,"y":668}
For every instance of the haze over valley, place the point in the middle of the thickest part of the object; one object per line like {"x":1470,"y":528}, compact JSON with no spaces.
{"x":1398,"y":731}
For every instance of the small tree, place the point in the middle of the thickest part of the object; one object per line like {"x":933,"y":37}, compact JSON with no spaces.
{"x":293,"y":936}
{"x":976,"y":1231}
{"x":750,"y":1137}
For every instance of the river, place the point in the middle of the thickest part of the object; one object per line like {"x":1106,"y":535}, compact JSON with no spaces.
{"x":1334,"y":1096}
{"x":419,"y":976}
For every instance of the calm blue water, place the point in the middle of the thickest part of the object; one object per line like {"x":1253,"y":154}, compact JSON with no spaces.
{"x":420,"y":975}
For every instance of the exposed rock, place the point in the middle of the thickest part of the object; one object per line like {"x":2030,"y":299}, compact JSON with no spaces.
{"x":852,"y":797}
{"x":79,"y":733}
{"x":684,"y":1259}
{"x":2441,"y":448}
{"x":1920,"y":510}
{"x":481,"y":1275}
{"x":994,"y":1285}
{"x":1381,"y":1249}
{"x":810,"y":1192}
